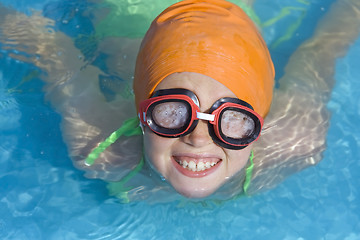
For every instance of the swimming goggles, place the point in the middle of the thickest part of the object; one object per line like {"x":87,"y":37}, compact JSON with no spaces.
{"x":172,"y":113}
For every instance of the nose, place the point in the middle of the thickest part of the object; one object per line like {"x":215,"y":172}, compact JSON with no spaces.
{"x":199,"y":137}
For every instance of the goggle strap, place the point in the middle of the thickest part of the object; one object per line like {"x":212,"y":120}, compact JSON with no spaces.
{"x":205,"y":116}
{"x":249,"y":172}
{"x":130,"y":127}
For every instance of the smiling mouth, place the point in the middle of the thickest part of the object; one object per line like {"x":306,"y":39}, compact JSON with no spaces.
{"x":197,"y":165}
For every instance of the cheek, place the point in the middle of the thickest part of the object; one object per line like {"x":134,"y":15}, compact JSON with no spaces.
{"x":157,"y":150}
{"x":237,"y":160}
{"x":154,"y":144}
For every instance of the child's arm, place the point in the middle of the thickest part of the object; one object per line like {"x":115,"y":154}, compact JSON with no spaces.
{"x":73,"y":88}
{"x":298,"y":120}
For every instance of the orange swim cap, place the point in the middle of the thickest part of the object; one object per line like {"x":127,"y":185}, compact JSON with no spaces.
{"x":211,"y":37}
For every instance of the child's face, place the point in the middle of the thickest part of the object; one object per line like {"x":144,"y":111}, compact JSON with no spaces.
{"x":165,"y":153}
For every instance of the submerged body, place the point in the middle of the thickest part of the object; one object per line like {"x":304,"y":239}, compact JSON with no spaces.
{"x":295,"y":128}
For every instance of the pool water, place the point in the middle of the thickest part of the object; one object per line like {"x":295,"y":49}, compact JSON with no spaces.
{"x":42,"y":196}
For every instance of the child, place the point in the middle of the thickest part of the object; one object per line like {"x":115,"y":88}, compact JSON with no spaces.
{"x":212,"y":49}
{"x":207,"y":60}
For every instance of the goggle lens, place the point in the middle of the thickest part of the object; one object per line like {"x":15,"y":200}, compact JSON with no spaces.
{"x":171,"y":115}
{"x":237,"y":125}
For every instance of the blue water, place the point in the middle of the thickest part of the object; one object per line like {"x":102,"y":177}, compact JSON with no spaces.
{"x":43,"y":197}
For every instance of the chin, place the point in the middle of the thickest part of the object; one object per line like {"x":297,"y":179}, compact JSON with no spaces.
{"x":194,"y":192}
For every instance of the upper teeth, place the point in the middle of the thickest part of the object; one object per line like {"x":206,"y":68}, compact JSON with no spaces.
{"x":201,"y":166}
